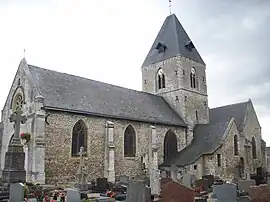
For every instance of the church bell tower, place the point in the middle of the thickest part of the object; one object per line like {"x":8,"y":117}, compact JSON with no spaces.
{"x":174,"y":70}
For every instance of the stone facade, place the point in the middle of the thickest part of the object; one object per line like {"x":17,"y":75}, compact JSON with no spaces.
{"x":58,"y":136}
{"x":50,"y":149}
{"x":34,"y":162}
{"x":268,"y":159}
{"x":208,"y":164}
{"x":190,"y":103}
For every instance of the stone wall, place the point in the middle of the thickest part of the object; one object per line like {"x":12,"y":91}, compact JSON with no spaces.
{"x":252,"y":129}
{"x":58,"y":134}
{"x":21,"y":84}
{"x":208,"y":164}
{"x":186,"y":101}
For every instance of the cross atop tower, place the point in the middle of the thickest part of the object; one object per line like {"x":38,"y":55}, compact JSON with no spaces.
{"x":170,"y":6}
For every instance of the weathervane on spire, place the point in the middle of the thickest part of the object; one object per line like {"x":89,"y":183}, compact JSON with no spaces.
{"x":170,"y":6}
{"x":24,"y":53}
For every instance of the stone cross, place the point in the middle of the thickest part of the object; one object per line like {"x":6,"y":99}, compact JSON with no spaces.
{"x":80,"y":174}
{"x":81,"y":160}
{"x":17,"y":118}
{"x":154,"y":173}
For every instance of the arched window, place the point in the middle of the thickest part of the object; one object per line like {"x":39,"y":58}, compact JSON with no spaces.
{"x":235,"y":141}
{"x":79,"y":138}
{"x":254,"y":153}
{"x":130,"y":142}
{"x":170,"y":145}
{"x":193,"y":78}
{"x":160,"y":79}
{"x":17,"y":102}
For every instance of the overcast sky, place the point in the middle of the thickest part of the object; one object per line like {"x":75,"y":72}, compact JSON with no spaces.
{"x":108,"y":40}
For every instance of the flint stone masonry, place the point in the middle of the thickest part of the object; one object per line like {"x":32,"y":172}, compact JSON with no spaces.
{"x":58,"y":136}
{"x":178,"y":93}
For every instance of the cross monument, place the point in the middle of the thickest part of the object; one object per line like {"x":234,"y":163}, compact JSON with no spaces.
{"x":81,"y":175}
{"x":14,"y":170}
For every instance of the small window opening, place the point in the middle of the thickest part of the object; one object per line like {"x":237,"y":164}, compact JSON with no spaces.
{"x":161,"y":79}
{"x":193,"y":78}
{"x":219,"y":160}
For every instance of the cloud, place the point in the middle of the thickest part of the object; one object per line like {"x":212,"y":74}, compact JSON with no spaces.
{"x":233,"y":38}
{"x":108,"y":40}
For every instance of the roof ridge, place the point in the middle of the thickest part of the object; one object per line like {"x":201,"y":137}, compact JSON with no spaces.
{"x":176,"y":34}
{"x":228,"y":105}
{"x":101,"y":82}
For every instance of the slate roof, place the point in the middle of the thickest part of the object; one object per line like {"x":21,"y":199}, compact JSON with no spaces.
{"x":175,"y":38}
{"x":207,"y":139}
{"x":76,"y":94}
{"x":225,"y":113}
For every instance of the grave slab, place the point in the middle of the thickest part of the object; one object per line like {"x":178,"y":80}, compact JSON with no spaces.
{"x":137,"y":191}
{"x":73,"y":195}
{"x":225,"y":192}
{"x":16,"y":192}
{"x":173,"y":191}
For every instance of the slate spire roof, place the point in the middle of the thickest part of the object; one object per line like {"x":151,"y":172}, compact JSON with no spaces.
{"x":172,"y":40}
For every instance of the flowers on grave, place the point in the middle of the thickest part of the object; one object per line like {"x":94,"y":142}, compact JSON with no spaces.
{"x":26,"y":137}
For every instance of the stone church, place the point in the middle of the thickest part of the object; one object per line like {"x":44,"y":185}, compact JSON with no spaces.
{"x":113,"y":123}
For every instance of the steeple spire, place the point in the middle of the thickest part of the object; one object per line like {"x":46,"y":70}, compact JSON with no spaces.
{"x":172,"y":40}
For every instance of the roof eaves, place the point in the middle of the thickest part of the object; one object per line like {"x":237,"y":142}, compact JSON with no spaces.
{"x":110,"y":116}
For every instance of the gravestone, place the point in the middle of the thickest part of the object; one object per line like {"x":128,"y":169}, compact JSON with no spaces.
{"x":202,"y":183}
{"x":210,"y":179}
{"x":123,"y":179}
{"x":244,"y":199}
{"x":193,"y":180}
{"x":137,"y":191}
{"x":187,"y":180}
{"x":259,"y":193}
{"x":104,"y":199}
{"x":15,"y":157}
{"x":16,"y":192}
{"x":225,"y":192}
{"x":163,"y":174}
{"x":73,"y":195}
{"x":175,"y":192}
{"x":32,"y":200}
{"x":102,"y":184}
{"x":244,"y":185}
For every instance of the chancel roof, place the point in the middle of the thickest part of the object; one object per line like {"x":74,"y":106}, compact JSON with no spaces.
{"x":71,"y":93}
{"x":209,"y":137}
